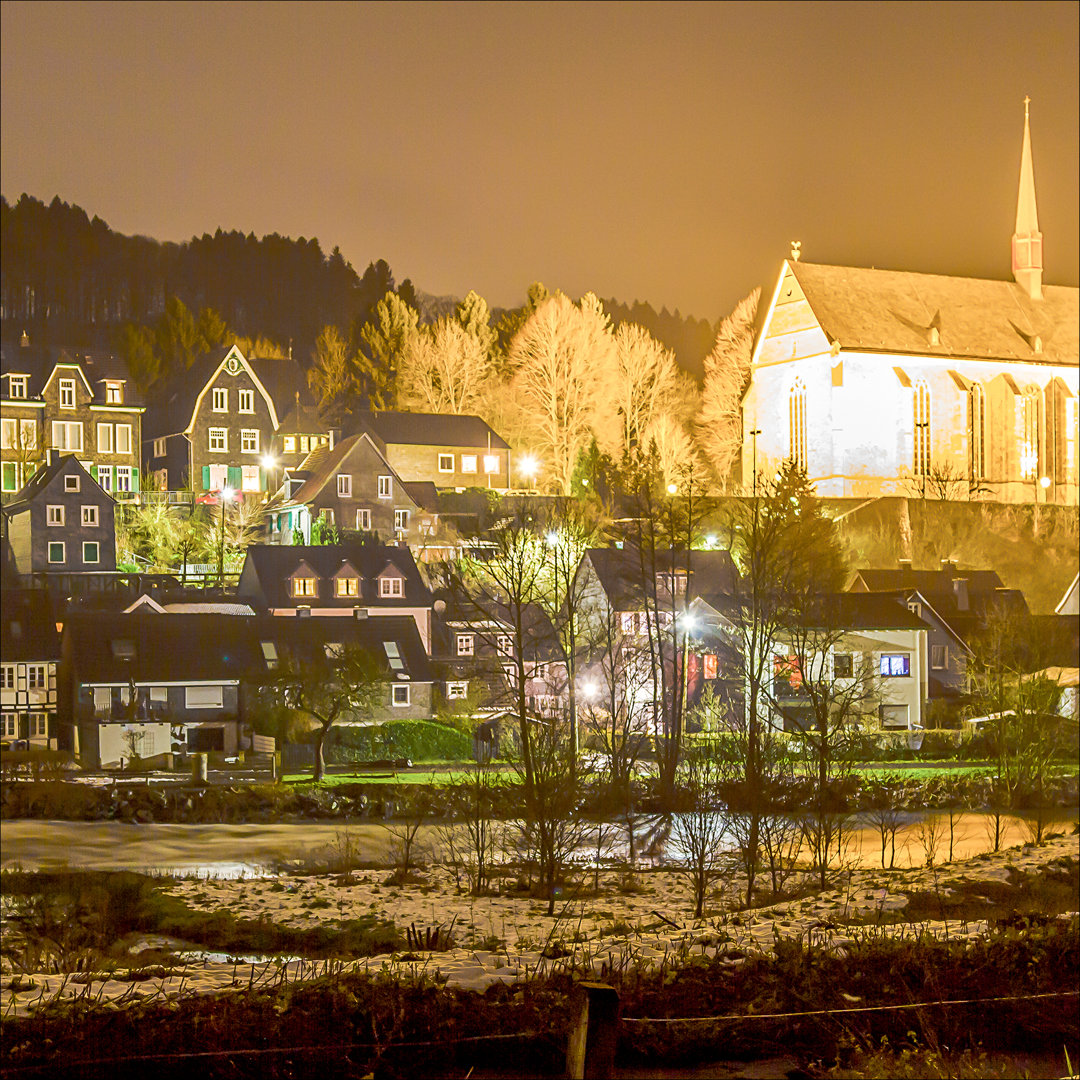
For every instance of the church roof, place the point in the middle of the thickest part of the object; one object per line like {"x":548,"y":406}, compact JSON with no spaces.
{"x":894,"y":310}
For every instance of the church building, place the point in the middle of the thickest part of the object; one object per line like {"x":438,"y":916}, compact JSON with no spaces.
{"x":882,"y":382}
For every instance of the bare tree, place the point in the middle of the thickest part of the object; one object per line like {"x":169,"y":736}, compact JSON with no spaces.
{"x":698,"y":829}
{"x":557,"y":358}
{"x":444,"y":369}
{"x":727,"y":374}
{"x":332,"y":377}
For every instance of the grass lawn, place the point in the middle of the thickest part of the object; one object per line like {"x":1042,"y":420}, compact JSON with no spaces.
{"x":417,"y":775}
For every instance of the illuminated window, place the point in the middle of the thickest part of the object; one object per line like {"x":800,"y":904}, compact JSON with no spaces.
{"x":114,"y":393}
{"x":386,"y":489}
{"x":363,"y":520}
{"x":89,"y":515}
{"x":246,"y":401}
{"x":67,"y":435}
{"x":249,"y":441}
{"x":468,"y":463}
{"x":797,"y":424}
{"x":346,"y":586}
{"x":895,"y":665}
{"x":250,"y":478}
{"x":221,"y":399}
{"x":305,"y":444}
{"x":67,"y":393}
{"x":123,"y":438}
{"x":8,"y":434}
{"x":466,"y":644}
{"x":1032,"y":456}
{"x":921,"y":455}
{"x":491,"y":463}
{"x":218,"y":439}
{"x":288,"y":444}
{"x":391,"y":586}
{"x":344,"y":486}
{"x":446,"y":463}
{"x":976,"y":419}
{"x":304,"y":586}
{"x":17,"y":385}
{"x":401,"y":520}
{"x":54,"y":515}
{"x":105,"y":438}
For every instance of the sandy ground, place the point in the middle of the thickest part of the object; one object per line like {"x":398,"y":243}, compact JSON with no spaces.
{"x":505,"y":938}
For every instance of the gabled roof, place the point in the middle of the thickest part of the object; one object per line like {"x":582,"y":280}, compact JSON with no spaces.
{"x":429,"y":429}
{"x":324,"y":463}
{"x":539,"y":637}
{"x":43,"y":478}
{"x":268,"y":568}
{"x":893,"y":311}
{"x":861,"y":611}
{"x":712,"y":574}
{"x":944,"y":588}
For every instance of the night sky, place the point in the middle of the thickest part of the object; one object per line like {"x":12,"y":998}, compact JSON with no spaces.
{"x":664,"y":152}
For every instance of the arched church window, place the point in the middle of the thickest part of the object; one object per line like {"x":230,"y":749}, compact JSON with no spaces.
{"x":921,"y":458}
{"x":797,"y":424}
{"x":976,"y":418}
{"x":1032,"y":451}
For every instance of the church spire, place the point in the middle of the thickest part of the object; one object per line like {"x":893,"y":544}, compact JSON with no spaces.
{"x":1027,"y":260}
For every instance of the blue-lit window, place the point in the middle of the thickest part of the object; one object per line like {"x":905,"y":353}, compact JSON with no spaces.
{"x":895,"y":665}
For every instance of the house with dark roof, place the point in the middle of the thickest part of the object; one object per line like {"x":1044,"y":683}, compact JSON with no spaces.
{"x":29,"y":655}
{"x":350,"y":485}
{"x":446,"y":450}
{"x":353,"y":580}
{"x":213,"y":425}
{"x":882,"y":382}
{"x":76,"y":402}
{"x":61,"y":522}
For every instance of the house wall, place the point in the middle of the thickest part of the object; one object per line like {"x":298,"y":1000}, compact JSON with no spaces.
{"x":414,"y":462}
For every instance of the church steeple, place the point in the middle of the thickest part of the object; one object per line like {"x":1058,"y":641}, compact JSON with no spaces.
{"x":1027,"y":255}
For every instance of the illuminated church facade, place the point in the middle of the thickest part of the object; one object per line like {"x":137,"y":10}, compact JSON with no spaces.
{"x":883,"y":382}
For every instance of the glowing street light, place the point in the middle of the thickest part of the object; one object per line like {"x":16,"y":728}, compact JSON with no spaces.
{"x":673,"y":489}
{"x":528,"y":466}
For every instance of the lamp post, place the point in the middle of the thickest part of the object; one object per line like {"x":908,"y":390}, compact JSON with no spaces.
{"x":226,"y":495}
{"x":528,"y":467}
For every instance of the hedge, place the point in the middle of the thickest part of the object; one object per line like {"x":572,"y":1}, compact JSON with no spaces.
{"x":419,"y":740}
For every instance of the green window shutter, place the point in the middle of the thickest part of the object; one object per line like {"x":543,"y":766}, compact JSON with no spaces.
{"x":134,"y":478}
{"x":93,"y":471}
{"x":262,"y":478}
{"x":236,"y":477}
{"x":206,"y":477}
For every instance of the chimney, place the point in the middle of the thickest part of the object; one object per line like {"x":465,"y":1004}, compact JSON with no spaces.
{"x":905,"y":566}
{"x":948,"y":565}
{"x":960,"y":591}
{"x":335,"y":437}
{"x":51,"y":455}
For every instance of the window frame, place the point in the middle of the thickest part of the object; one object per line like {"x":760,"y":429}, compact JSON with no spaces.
{"x":849,"y":664}
{"x":344,"y":485}
{"x":492,"y":465}
{"x":394,"y":691}
{"x":17,"y":387}
{"x":54,"y":515}
{"x":161,"y":448}
{"x":90,"y":518}
{"x":346,"y":587}
{"x":122,"y":440}
{"x":64,"y":444}
{"x":249,"y":440}
{"x":71,"y":483}
{"x":401,"y":520}
{"x":363,"y":519}
{"x":219,"y":399}
{"x":446,"y":468}
{"x":464,"y":644}
{"x":470,"y":464}
{"x":247,"y":396}
{"x":66,"y":393}
{"x":939,"y":652}
{"x":892,"y":658}
{"x":122,"y":478}
{"x":96,"y":545}
{"x":457,"y":690}
{"x":114,"y":393}
{"x":219,"y":434}
{"x":304,"y":587}
{"x":391,"y":587}
{"x":63,"y":552}
{"x":386,"y":487}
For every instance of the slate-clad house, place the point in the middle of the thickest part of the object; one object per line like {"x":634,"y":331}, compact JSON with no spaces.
{"x":145,"y":684}
{"x":62,"y":522}
{"x":29,"y":654}
{"x":351,"y":485}
{"x":214,"y":424}
{"x":345,"y":580}
{"x":450,"y":451}
{"x":74,"y":402}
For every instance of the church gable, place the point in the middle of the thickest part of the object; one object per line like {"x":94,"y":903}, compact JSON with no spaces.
{"x":791,"y":330}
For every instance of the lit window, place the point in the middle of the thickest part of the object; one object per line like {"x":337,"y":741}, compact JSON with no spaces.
{"x":71,"y":483}
{"x":91,"y":551}
{"x":1031,"y":447}
{"x":219,"y":477}
{"x":54,"y":515}
{"x":976,"y":419}
{"x":123,"y":438}
{"x":895,"y":665}
{"x":250,"y":480}
{"x":218,"y":439}
{"x":35,"y":676}
{"x":67,"y":435}
{"x":386,"y":489}
{"x":105,"y":438}
{"x":921,"y":457}
{"x":11,"y":725}
{"x":446,"y":463}
{"x":67,"y":393}
{"x":363,"y":520}
{"x":246,"y":401}
{"x":39,"y":725}
{"x":797,"y":424}
{"x":346,"y":586}
{"x":114,"y":393}
{"x":466,"y":644}
{"x":288,"y":444}
{"x":939,"y":656}
{"x":17,"y":385}
{"x":401,"y":520}
{"x":8,"y":434}
{"x":304,"y":586}
{"x":159,"y":448}
{"x":456,"y":690}
{"x":7,"y":677}
{"x":305,"y":444}
{"x":9,"y":480}
{"x":344,"y":486}
{"x":89,"y":515}
{"x":400,"y":694}
{"x":221,"y":399}
{"x":123,"y":477}
{"x":28,"y":434}
{"x":468,"y":463}
{"x":491,"y":463}
{"x":56,"y":551}
{"x":391,"y":586}
{"x":249,"y":441}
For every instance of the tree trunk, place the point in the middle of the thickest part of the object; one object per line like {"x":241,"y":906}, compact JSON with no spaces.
{"x":320,"y":761}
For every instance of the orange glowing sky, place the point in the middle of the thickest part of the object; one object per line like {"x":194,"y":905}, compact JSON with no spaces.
{"x":664,"y":152}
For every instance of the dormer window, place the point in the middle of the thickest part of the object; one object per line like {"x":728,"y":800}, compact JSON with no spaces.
{"x":114,"y":393}
{"x":391,"y":586}
{"x":305,"y":586}
{"x":17,"y":385}
{"x":346,"y":587}
{"x":67,"y":393}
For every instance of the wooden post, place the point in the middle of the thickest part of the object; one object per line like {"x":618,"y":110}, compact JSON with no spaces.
{"x":590,"y":1053}
{"x":198,"y":769}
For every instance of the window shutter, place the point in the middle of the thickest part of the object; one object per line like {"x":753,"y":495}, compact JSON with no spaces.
{"x":206,"y":477}
{"x":93,"y":471}
{"x":134,"y":478}
{"x":262,"y":478}
{"x":236,"y":477}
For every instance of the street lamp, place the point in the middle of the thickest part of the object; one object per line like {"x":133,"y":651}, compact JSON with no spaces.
{"x":269,"y":464}
{"x":528,"y":466}
{"x":226,"y":496}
